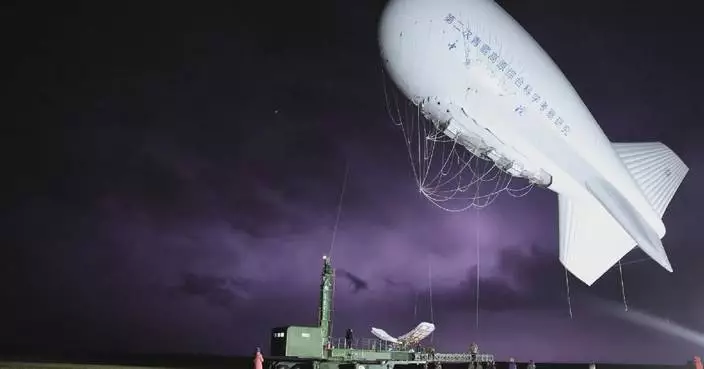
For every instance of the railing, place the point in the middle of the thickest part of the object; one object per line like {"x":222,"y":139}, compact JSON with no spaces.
{"x":453,"y":357}
{"x":420,"y":354}
{"x":369,"y":344}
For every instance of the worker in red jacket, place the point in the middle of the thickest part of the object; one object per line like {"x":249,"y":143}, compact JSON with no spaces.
{"x":258,"y":359}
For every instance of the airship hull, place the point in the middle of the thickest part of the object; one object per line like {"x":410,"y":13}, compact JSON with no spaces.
{"x":485,"y":82}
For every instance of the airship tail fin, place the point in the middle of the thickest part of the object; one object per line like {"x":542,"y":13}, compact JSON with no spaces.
{"x":657,"y":170}
{"x":591,"y":241}
{"x":597,"y":234}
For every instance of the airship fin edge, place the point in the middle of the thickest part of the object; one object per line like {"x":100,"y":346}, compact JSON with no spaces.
{"x":591,"y":240}
{"x":622,"y":211}
{"x":596,"y":232}
{"x":657,"y":170}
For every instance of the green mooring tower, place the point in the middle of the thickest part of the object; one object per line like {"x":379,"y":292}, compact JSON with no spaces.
{"x":327,"y":286}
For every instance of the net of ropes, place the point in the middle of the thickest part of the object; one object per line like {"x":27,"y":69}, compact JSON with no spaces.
{"x":446,"y":173}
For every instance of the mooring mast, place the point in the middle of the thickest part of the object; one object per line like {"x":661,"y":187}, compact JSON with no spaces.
{"x":327,"y":287}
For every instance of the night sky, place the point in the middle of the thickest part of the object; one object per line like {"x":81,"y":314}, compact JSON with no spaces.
{"x":172,"y":175}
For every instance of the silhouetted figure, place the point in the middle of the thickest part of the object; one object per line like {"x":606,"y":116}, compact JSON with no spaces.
{"x":531,"y":364}
{"x":512,"y":363}
{"x":348,"y":338}
{"x":473,"y":350}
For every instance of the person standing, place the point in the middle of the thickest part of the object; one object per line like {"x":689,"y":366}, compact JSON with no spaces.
{"x":512,"y":363}
{"x":258,"y":359}
{"x":473,"y":350}
{"x":348,"y":338}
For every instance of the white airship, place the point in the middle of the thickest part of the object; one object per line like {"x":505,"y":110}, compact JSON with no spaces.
{"x":486,"y":83}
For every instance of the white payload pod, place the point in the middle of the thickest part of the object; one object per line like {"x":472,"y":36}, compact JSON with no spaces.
{"x":417,"y":334}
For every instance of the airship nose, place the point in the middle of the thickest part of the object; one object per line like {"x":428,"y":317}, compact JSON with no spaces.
{"x":407,"y":33}
{"x":402,"y":14}
{"x":399,"y":11}
{"x":414,"y":36}
{"x":392,"y":19}
{"x":399,"y":14}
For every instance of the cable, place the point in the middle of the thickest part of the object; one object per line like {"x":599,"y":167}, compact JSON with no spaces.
{"x":444,"y":177}
{"x":339,"y":211}
{"x":623,"y":288}
{"x":476,"y":240}
{"x":415,"y":308}
{"x":334,"y":236}
{"x":637,"y":261}
{"x":430,"y":291}
{"x":569,"y":298}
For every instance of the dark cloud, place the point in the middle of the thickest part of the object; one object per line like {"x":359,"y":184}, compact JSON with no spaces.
{"x":219,"y":291}
{"x":357,"y":284}
{"x":525,"y":278}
